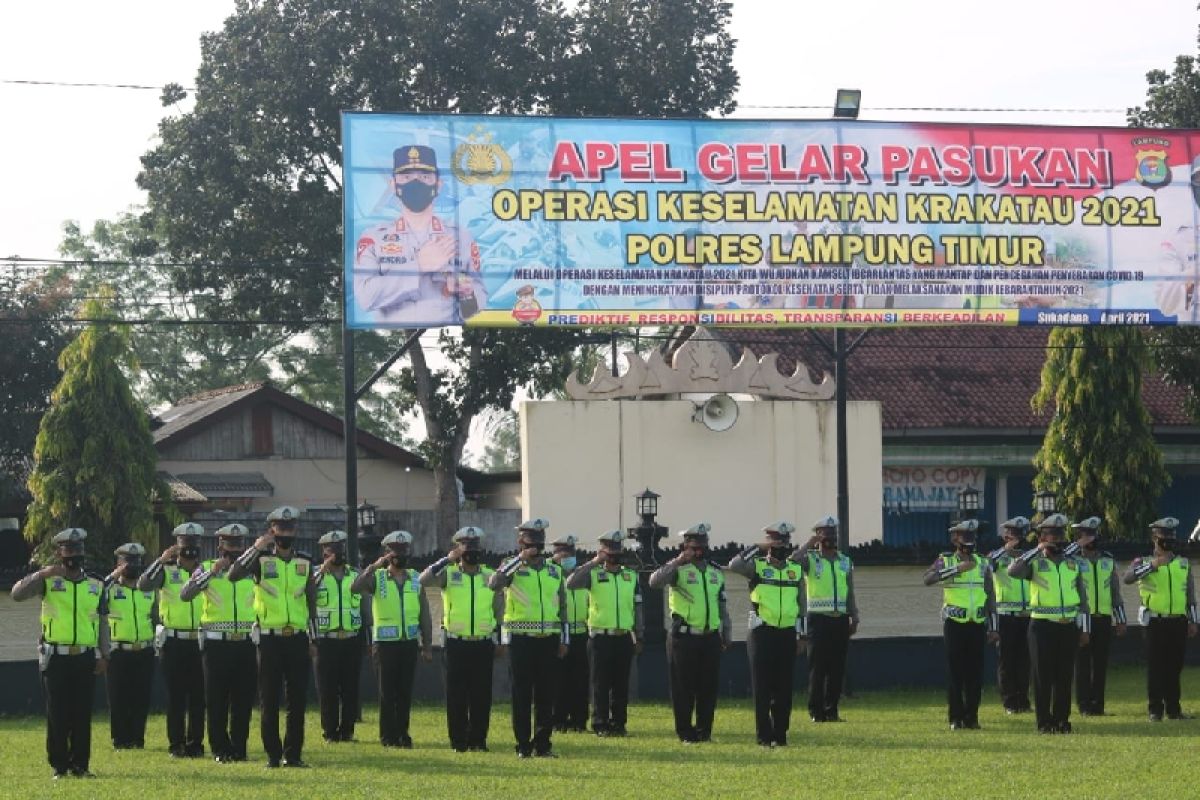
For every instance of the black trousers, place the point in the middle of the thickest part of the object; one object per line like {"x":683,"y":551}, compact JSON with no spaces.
{"x":396,"y":664}
{"x":68,"y":683}
{"x":571,"y":703}
{"x":1012,"y":662}
{"x":1091,"y":667}
{"x":283,"y":669}
{"x":1052,"y":647}
{"x":772,"y":654}
{"x":534,"y":664}
{"x":468,"y":667}
{"x":828,"y":642}
{"x":183,"y":672}
{"x":694,"y":663}
{"x":338,"y":665}
{"x":964,"y":666}
{"x":129,"y":680}
{"x":230,"y":676}
{"x":1166,"y":643}
{"x":611,"y":657}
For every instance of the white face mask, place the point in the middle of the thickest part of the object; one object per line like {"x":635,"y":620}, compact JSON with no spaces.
{"x":568,"y":562}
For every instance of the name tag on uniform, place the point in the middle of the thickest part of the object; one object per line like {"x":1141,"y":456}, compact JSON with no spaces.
{"x":355,"y":618}
{"x":693,"y":578}
{"x":322,"y":596}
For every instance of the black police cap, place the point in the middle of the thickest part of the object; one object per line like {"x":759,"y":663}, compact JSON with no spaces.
{"x":414,"y":157}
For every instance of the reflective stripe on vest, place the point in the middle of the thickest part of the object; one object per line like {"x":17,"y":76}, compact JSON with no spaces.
{"x":1012,"y":594}
{"x":280,"y":600}
{"x":1164,"y":591}
{"x":396,"y":608}
{"x":776,"y":593}
{"x":337,"y":606}
{"x":531,"y":600}
{"x":177,"y":614}
{"x":695,"y":595}
{"x":964,"y":596}
{"x":1096,"y":580}
{"x":827,"y":584}
{"x":611,"y":599}
{"x":1053,"y":592}
{"x":227,"y":606}
{"x":129,"y":614}
{"x":71,"y":611}
{"x":467,"y":602}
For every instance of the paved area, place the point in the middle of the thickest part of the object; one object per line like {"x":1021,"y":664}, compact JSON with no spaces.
{"x":892,"y":600}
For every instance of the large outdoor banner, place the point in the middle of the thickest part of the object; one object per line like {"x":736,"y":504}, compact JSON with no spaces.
{"x":506,"y":221}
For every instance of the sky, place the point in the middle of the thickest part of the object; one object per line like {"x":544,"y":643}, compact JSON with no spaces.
{"x":72,"y":153}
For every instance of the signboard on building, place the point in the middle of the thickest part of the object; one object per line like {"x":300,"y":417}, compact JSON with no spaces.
{"x":523,"y":221}
{"x":928,"y":488}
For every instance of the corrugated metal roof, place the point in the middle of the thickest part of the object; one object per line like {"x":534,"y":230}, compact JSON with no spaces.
{"x":229,"y":484}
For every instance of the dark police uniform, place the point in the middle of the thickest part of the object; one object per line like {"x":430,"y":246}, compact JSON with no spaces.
{"x":178,"y":644}
{"x":227,"y":652}
{"x":132,"y":616}
{"x":699,"y":631}
{"x":1012,"y":610}
{"x":339,"y":644}
{"x":830,"y":618}
{"x":571,"y":703}
{"x":1099,"y":570}
{"x":72,"y":648}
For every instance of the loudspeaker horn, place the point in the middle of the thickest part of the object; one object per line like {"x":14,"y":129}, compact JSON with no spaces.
{"x":717,"y":413}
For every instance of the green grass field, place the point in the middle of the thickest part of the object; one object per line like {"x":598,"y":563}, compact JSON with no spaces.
{"x":894,"y":744}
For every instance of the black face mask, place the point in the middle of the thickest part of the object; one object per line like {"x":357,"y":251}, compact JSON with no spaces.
{"x":1166,"y":544}
{"x":699,"y":553}
{"x":416,"y":196}
{"x":399,"y":561}
{"x":612,"y":558}
{"x":73,"y":562}
{"x":779,"y":553}
{"x":470,"y":557}
{"x":966,"y":546}
{"x":283,"y":542}
{"x":190,"y":553}
{"x":1053,"y":548}
{"x":339,"y":558}
{"x":131,"y":571}
{"x":829,"y":541}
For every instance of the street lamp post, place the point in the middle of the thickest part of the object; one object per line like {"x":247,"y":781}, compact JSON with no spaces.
{"x":647,"y":534}
{"x":968,"y":503}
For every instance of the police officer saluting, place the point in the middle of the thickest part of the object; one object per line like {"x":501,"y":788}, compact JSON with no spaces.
{"x":1169,"y":615}
{"x":535,"y":629}
{"x":131,"y":621}
{"x":1099,"y":570}
{"x":775,"y":621}
{"x":72,"y":650}
{"x":1012,"y":608}
{"x":699,"y":632}
{"x":571,"y":704}
{"x":400,"y":624}
{"x":471,"y":616}
{"x":339,"y":640}
{"x":1060,"y":621}
{"x":230,"y":667}
{"x":614,"y":620}
{"x":831,"y":620}
{"x":179,"y":640}
{"x":285,"y":607}
{"x":968,"y":621}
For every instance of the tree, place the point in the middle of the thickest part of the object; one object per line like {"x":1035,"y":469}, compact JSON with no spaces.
{"x":94,"y":461}
{"x":250,"y":175}
{"x":1173,"y":100}
{"x":1099,"y":454}
{"x":30,"y":306}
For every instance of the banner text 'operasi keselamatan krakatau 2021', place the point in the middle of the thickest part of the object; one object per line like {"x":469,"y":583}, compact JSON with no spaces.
{"x":515,"y":221}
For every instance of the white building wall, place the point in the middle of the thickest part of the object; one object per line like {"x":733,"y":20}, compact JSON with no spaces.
{"x":583,"y":461}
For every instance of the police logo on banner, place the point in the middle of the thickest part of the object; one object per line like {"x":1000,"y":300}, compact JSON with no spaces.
{"x":1152,"y":170}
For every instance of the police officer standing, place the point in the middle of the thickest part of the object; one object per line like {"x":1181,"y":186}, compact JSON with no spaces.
{"x":230,"y":667}
{"x":285,"y":606}
{"x":775,"y":621}
{"x":1099,"y":570}
{"x":1012,"y":608}
{"x":339,"y":640}
{"x":471,"y":618}
{"x":1060,"y":622}
{"x":1168,"y":614}
{"x":535,"y":629}
{"x":178,"y":639}
{"x":614,"y":620}
{"x":968,"y":621}
{"x":831,"y":620}
{"x":400,"y":624}
{"x":571,"y":704}
{"x":72,"y":650}
{"x":131,"y":620}
{"x":699,"y":632}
